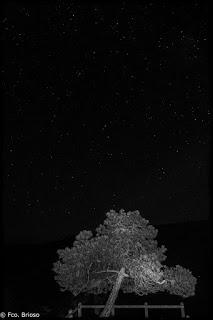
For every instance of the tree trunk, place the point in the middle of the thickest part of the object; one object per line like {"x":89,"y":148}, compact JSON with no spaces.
{"x":113,"y":295}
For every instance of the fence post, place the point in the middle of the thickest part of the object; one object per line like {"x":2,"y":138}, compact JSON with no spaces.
{"x":146,"y":310}
{"x":79,"y":310}
{"x":96,"y":311}
{"x":182,"y":310}
{"x":113,"y":312}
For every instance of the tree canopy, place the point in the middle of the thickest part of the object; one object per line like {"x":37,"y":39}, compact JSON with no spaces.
{"x":124,"y":240}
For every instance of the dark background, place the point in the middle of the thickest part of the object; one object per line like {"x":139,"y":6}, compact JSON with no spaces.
{"x":106,"y":107}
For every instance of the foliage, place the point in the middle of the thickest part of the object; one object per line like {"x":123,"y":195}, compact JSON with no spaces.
{"x":182,"y":281}
{"x":125,"y":239}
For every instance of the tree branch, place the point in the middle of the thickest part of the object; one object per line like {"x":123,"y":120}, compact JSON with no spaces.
{"x":110,"y":270}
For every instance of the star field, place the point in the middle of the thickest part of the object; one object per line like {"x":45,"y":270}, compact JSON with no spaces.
{"x":106,"y":107}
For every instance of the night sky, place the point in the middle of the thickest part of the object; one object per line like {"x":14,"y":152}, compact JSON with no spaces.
{"x":106,"y":107}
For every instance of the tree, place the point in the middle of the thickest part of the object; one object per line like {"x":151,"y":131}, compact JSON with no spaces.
{"x":123,"y":254}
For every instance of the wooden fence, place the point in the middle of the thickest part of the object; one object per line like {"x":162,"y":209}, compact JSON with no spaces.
{"x":146,"y":308}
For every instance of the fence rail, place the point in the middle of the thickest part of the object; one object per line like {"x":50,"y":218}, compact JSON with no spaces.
{"x":145,"y":306}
